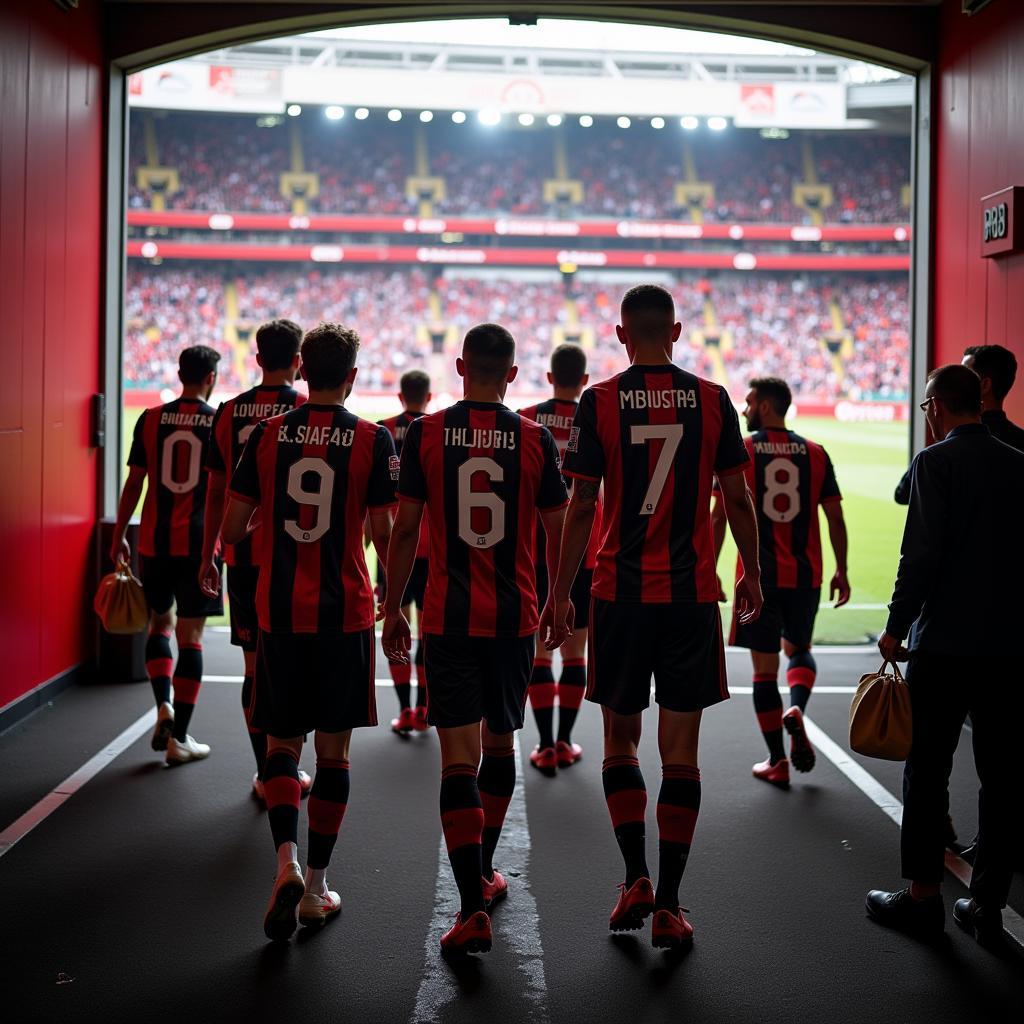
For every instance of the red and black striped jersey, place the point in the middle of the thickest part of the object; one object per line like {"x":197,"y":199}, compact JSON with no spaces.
{"x":170,"y":444}
{"x":558,"y":415}
{"x":482,"y":471}
{"x":397,"y":427}
{"x":789,"y":477}
{"x":313,"y":473}
{"x":656,"y":435}
{"x":235,"y":421}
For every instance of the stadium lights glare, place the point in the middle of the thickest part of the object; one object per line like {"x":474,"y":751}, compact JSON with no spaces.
{"x":657,"y":122}
{"x":489,"y":117}
{"x":362,"y":114}
{"x":623,"y":122}
{"x":333,"y":113}
{"x":458,"y":116}
{"x":689,"y":122}
{"x":394,"y":115}
{"x":426,"y":116}
{"x":294,"y":110}
{"x":586,"y":121}
{"x":554,"y":120}
{"x":526,"y":120}
{"x":717,"y":124}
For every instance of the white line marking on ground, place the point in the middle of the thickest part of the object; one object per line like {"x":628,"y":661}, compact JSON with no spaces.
{"x":817,"y":689}
{"x":1013,"y":923}
{"x":515,"y":920}
{"x":39,"y":812}
{"x":384,"y":683}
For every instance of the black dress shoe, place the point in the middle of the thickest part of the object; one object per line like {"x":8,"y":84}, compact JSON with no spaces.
{"x":899,"y":910}
{"x":984,"y":923}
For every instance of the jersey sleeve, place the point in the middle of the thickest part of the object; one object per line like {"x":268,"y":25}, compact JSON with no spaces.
{"x":551,"y":493}
{"x":380,"y":488}
{"x":731,"y":455}
{"x":584,"y":455}
{"x":137,"y":453}
{"x":245,"y":481}
{"x":412,"y":482}
{"x":829,"y":486}
{"x":216,"y":461}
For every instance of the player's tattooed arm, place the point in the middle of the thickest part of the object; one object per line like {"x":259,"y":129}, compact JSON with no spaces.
{"x":585,"y":493}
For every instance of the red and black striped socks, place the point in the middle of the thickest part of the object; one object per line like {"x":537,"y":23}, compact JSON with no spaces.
{"x":326,"y":809}
{"x":257,"y":737}
{"x":542,"y":700}
{"x":571,"y":686}
{"x":188,"y":677}
{"x":626,"y":794}
{"x":768,"y":708}
{"x":401,"y":676}
{"x":159,"y":665}
{"x":496,"y":781}
{"x":283,"y":793}
{"x":462,"y":821}
{"x":678,"y":806}
{"x":800,"y":674}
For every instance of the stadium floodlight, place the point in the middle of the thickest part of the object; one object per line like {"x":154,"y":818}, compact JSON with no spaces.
{"x":657,"y":122}
{"x":586,"y":121}
{"x":554,"y":120}
{"x":362,"y":114}
{"x":458,"y":116}
{"x":293,"y":110}
{"x":717,"y":124}
{"x":426,"y":116}
{"x":623,"y":122}
{"x":333,"y":113}
{"x":526,"y":120}
{"x":489,"y":117}
{"x":689,"y":123}
{"x":394,"y":115}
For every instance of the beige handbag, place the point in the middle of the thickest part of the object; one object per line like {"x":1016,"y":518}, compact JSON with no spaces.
{"x":880,"y":717}
{"x":120,"y":602}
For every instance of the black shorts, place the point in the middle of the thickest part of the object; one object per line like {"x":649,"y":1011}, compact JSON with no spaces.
{"x":579,"y":593}
{"x":314,"y":681}
{"x":170,"y":581}
{"x":680,"y":645}
{"x":788,"y":613}
{"x":415,"y":589}
{"x":478,"y":678}
{"x":245,"y":626}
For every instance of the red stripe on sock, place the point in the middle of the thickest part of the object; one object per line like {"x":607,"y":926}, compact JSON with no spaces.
{"x":186,"y":690}
{"x":281,"y":790}
{"x":801,"y":677}
{"x":765,"y":677}
{"x":628,"y":805}
{"x":575,"y":662}
{"x":676,"y":824}
{"x":401,"y":674}
{"x":542,"y":695}
{"x":463,"y":826}
{"x":158,"y":667}
{"x":680,"y":771}
{"x":190,"y":647}
{"x":495,"y":809}
{"x":570,"y":696}
{"x":325,"y":816}
{"x":770,"y":721}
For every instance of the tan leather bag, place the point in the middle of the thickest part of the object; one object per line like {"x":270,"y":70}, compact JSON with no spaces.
{"x":120,"y":602}
{"x":880,"y":719}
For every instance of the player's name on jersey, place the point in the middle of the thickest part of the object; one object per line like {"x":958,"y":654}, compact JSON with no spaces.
{"x":663,"y":398}
{"x":260,"y":410}
{"x":479,"y":437}
{"x":312,"y":434}
{"x":554,"y":421}
{"x":780,"y":448}
{"x":186,"y":419}
{"x":400,"y":433}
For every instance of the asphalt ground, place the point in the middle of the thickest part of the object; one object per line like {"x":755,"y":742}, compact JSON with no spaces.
{"x":141,"y":897}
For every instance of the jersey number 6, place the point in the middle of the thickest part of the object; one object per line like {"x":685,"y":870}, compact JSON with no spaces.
{"x":671,"y":434}
{"x":470,"y":499}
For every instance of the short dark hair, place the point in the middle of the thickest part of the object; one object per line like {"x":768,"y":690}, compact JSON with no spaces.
{"x":997,"y":363}
{"x":488,"y":351}
{"x":774,"y":390}
{"x":648,"y":302}
{"x":568,"y":365}
{"x":958,"y":387}
{"x":328,"y":354}
{"x":195,"y":362}
{"x":415,"y":386}
{"x":277,"y":342}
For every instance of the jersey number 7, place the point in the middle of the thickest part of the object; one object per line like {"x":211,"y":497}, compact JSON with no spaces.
{"x":669,"y":433}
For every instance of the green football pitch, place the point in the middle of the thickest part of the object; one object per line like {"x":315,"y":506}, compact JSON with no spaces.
{"x":869,"y":459}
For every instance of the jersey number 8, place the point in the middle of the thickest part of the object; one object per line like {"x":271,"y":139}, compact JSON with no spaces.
{"x":781,"y":480}
{"x":320,"y":499}
{"x":470,"y":499}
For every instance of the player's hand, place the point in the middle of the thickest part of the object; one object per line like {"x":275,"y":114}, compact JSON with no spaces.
{"x":721,"y":589}
{"x":120,"y":551}
{"x":839,"y":589}
{"x":892,"y":649}
{"x":209,"y":578}
{"x":749,"y":599}
{"x":396,"y":639}
{"x":556,"y":622}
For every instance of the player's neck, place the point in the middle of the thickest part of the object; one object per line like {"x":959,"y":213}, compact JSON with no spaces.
{"x":335,"y":396}
{"x":414,"y":410}
{"x":193,"y":393}
{"x":653,"y":353}
{"x":991,"y":405}
{"x":277,"y":379}
{"x":566,"y":394}
{"x":474,"y":392}
{"x":773,"y":423}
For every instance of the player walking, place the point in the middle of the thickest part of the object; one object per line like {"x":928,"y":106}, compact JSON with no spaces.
{"x":789,"y":477}
{"x":415,"y":397}
{"x":168,"y":452}
{"x":277,"y":353}
{"x":656,"y":435}
{"x":481,"y":471}
{"x":309,"y":477}
{"x":568,"y":377}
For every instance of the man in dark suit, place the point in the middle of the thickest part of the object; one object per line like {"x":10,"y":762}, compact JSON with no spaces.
{"x":960,"y":569}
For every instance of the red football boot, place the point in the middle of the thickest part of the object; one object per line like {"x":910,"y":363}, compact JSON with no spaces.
{"x":495,"y":890}
{"x":777,"y":774}
{"x":470,"y":936}
{"x":404,"y":723}
{"x":567,"y":753}
{"x":634,"y":904}
{"x":670,"y":930}
{"x":801,"y":753}
{"x":420,"y":723}
{"x":545,"y":761}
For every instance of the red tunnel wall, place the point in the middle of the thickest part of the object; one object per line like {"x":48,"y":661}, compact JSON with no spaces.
{"x":51,"y":188}
{"x":979,"y":121}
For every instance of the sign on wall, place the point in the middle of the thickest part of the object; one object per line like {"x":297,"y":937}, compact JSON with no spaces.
{"x":1000,"y":228}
